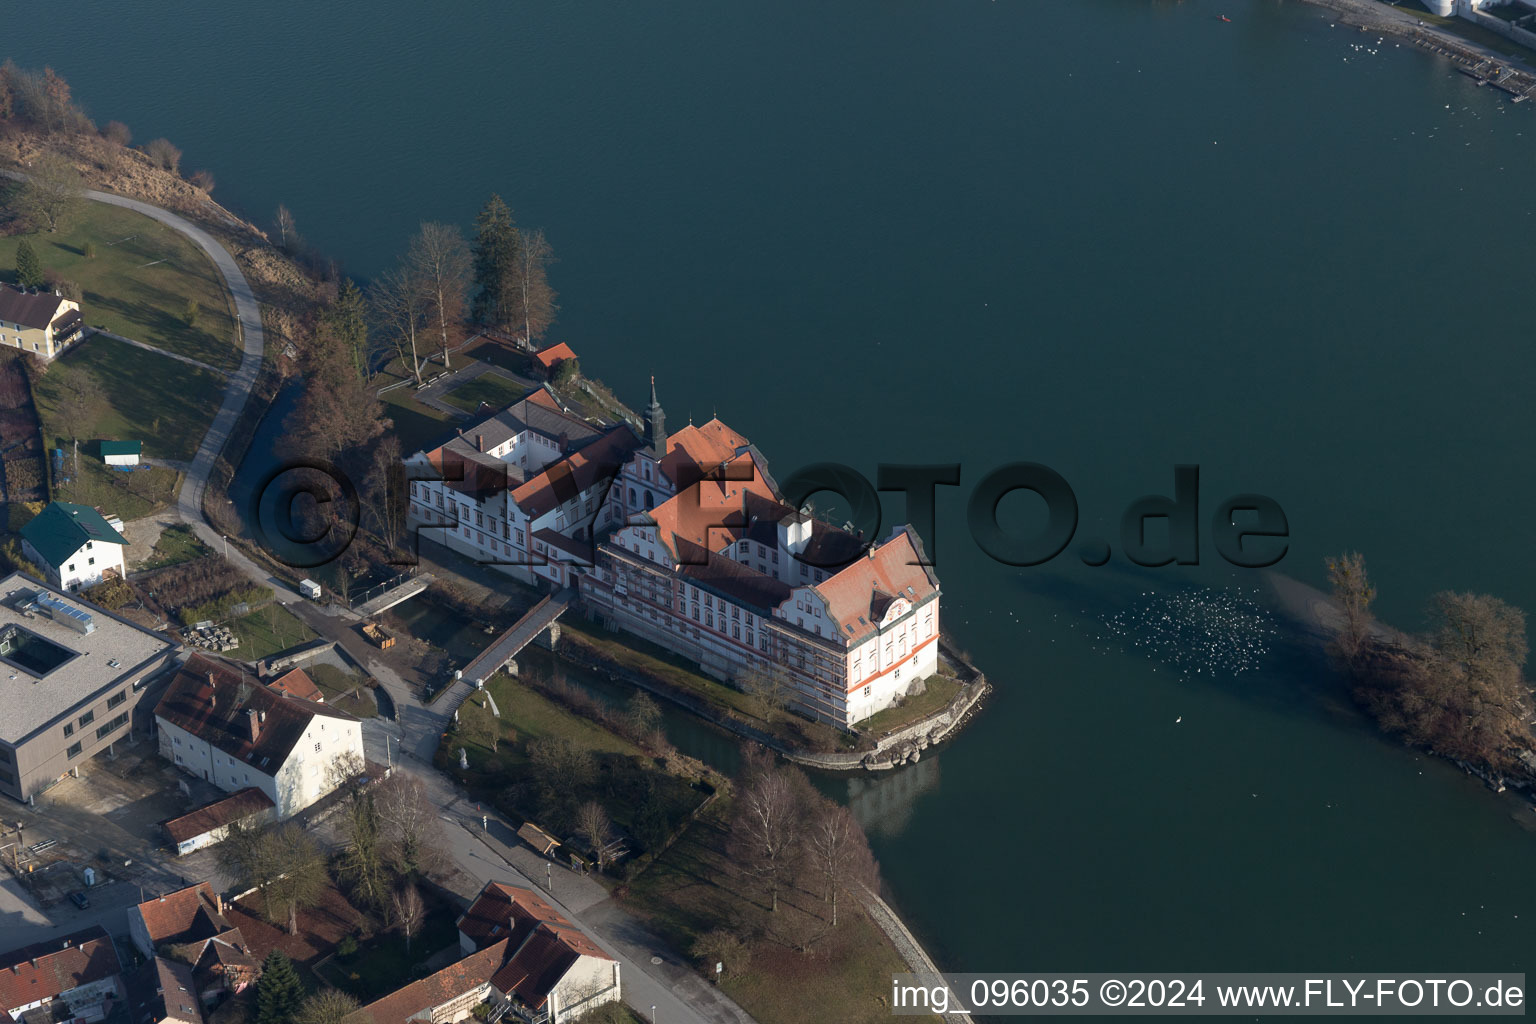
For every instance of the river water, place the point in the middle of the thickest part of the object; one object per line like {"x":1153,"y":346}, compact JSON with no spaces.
{"x":1110,"y":236}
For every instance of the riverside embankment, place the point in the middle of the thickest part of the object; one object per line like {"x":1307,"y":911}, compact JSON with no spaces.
{"x":1487,"y":65}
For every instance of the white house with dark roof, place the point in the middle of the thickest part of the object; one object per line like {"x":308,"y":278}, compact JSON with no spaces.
{"x":74,"y":544}
{"x":224,"y":726}
{"x":37,"y":322}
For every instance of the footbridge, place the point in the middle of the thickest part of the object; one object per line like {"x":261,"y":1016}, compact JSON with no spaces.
{"x":540,"y":618}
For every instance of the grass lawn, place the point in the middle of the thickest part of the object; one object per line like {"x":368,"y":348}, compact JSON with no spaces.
{"x":268,"y":630}
{"x":620,"y":783}
{"x":139,"y":282}
{"x":416,"y":425}
{"x":694,"y":888}
{"x":129,"y":495}
{"x":177,"y":544}
{"x":337,"y":685}
{"x":941,"y":690}
{"x":164,"y":403}
{"x":382,"y":964}
{"x":490,"y":388}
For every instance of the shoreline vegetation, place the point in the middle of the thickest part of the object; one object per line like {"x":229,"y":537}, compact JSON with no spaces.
{"x":1457,"y":690}
{"x":777,"y":910}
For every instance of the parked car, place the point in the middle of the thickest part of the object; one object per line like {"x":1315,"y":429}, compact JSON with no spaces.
{"x":79,"y":899}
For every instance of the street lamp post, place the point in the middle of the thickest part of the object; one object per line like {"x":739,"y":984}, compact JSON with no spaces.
{"x":226,"y":546}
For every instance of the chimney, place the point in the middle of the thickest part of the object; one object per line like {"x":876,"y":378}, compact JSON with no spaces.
{"x":218,"y":903}
{"x":253,"y":723}
{"x":479,"y":442}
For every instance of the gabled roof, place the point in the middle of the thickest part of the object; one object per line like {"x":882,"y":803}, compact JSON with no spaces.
{"x":235,"y":807}
{"x":30,"y":309}
{"x":715,"y":510}
{"x":177,"y":992}
{"x":548,"y":357}
{"x":537,"y":838}
{"x":449,"y":983}
{"x":541,"y":942}
{"x":45,"y":970}
{"x":210,"y":699}
{"x":61,"y":529}
{"x":185,"y":915}
{"x":463,"y":462}
{"x":121,"y":447}
{"x":505,"y":912}
{"x":563,"y":480}
{"x":296,"y":683}
{"x":227,"y":954}
{"x":857,"y":597}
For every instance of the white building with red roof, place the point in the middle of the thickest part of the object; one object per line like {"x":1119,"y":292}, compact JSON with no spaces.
{"x":74,"y":978}
{"x":524,"y":489}
{"x":712,"y":564}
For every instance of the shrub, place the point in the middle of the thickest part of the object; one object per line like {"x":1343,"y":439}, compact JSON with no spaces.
{"x":164,"y":154}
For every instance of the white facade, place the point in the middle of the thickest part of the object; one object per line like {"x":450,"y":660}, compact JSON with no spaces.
{"x":300,"y":780}
{"x":84,"y":568}
{"x":589,"y":983}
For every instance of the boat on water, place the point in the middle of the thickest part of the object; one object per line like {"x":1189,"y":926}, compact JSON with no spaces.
{"x":1223,"y":17}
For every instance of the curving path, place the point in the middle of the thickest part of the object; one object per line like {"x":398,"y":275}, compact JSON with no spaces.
{"x":189,"y":502}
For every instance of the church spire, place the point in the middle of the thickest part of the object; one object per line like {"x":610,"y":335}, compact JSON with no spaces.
{"x":656,"y":425}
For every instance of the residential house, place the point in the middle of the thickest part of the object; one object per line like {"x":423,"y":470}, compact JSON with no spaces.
{"x":74,"y":544}
{"x":551,"y":971}
{"x":72,"y":676}
{"x":193,"y":914}
{"x":220,"y":724}
{"x":76,"y":978}
{"x":176,"y":999}
{"x":38,"y":322}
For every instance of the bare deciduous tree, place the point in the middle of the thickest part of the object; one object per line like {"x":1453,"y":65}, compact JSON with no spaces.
{"x":411,"y":828}
{"x":440,"y":257}
{"x":593,"y":824}
{"x":80,"y":398}
{"x":409,"y":912}
{"x":117,"y":133}
{"x":402,"y":300}
{"x":328,"y":1006}
{"x":535,"y":298}
{"x":285,"y":229}
{"x":767,"y":829}
{"x":478,"y":725}
{"x":164,"y":154}
{"x":1353,"y":590}
{"x":838,"y":851}
{"x":52,"y":191}
{"x":301,"y":877}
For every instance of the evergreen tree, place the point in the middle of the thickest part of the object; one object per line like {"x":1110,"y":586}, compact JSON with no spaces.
{"x":496,"y":249}
{"x":348,"y":320}
{"x":279,"y":994}
{"x":29,"y":268}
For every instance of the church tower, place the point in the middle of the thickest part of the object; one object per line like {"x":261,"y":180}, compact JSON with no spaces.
{"x":656,"y":425}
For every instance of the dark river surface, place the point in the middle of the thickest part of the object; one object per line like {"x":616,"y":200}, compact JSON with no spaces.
{"x":1109,"y":236}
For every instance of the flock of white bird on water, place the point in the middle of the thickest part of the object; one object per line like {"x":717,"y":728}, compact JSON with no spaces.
{"x":1207,"y":632}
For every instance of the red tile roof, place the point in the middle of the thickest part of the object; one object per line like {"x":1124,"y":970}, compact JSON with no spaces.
{"x":563,"y":480}
{"x":859,"y":595}
{"x":235,"y":807}
{"x":449,"y":983}
{"x":210,"y":699}
{"x":46,"y":970}
{"x":296,"y":684}
{"x":548,"y":357}
{"x":542,"y":943}
{"x":182,"y":916}
{"x":505,"y":911}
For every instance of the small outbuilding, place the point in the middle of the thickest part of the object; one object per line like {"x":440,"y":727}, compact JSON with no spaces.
{"x":537,"y":838}
{"x":121,"y":454}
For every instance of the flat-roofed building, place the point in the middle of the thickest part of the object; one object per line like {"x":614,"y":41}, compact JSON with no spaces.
{"x":71,"y":676}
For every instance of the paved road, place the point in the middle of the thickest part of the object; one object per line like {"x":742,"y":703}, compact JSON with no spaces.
{"x":645,"y":984}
